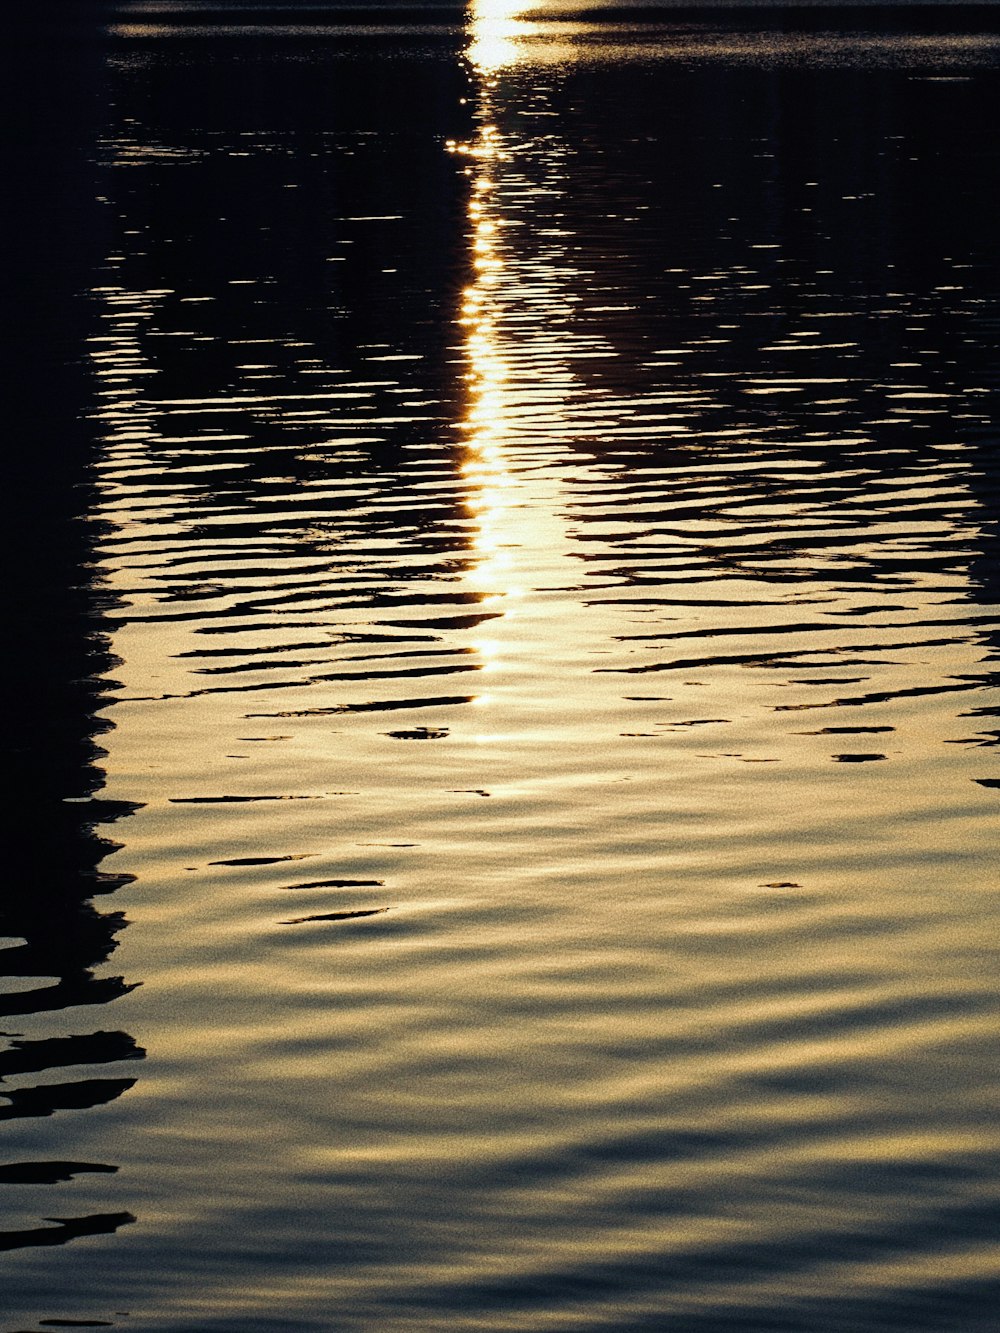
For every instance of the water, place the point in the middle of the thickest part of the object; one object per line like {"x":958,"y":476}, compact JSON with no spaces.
{"x":506,"y":717}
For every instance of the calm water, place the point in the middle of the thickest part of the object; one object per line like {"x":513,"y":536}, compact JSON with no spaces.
{"x":507,"y":641}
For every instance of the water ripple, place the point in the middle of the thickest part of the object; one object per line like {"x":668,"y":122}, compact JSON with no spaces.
{"x":553,"y":373}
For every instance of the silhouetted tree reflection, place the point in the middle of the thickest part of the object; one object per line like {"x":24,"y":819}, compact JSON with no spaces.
{"x":60,"y":661}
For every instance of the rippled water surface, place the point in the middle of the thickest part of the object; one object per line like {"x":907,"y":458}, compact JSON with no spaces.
{"x":511,"y":805}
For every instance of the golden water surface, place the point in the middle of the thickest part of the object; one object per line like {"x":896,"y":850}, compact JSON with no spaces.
{"x":547,"y":558}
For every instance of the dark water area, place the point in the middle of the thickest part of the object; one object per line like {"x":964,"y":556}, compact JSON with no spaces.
{"x":502,"y":528}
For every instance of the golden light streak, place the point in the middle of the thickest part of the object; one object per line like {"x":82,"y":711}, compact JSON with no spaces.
{"x":497,"y":29}
{"x":512,"y":318}
{"x":490,"y":498}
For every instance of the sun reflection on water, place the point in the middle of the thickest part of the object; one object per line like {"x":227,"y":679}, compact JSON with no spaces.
{"x":491,"y":493}
{"x":491,"y":496}
{"x":516,"y":316}
{"x":496,"y":29}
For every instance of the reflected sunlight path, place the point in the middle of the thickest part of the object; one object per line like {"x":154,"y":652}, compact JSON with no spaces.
{"x":518,"y":344}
